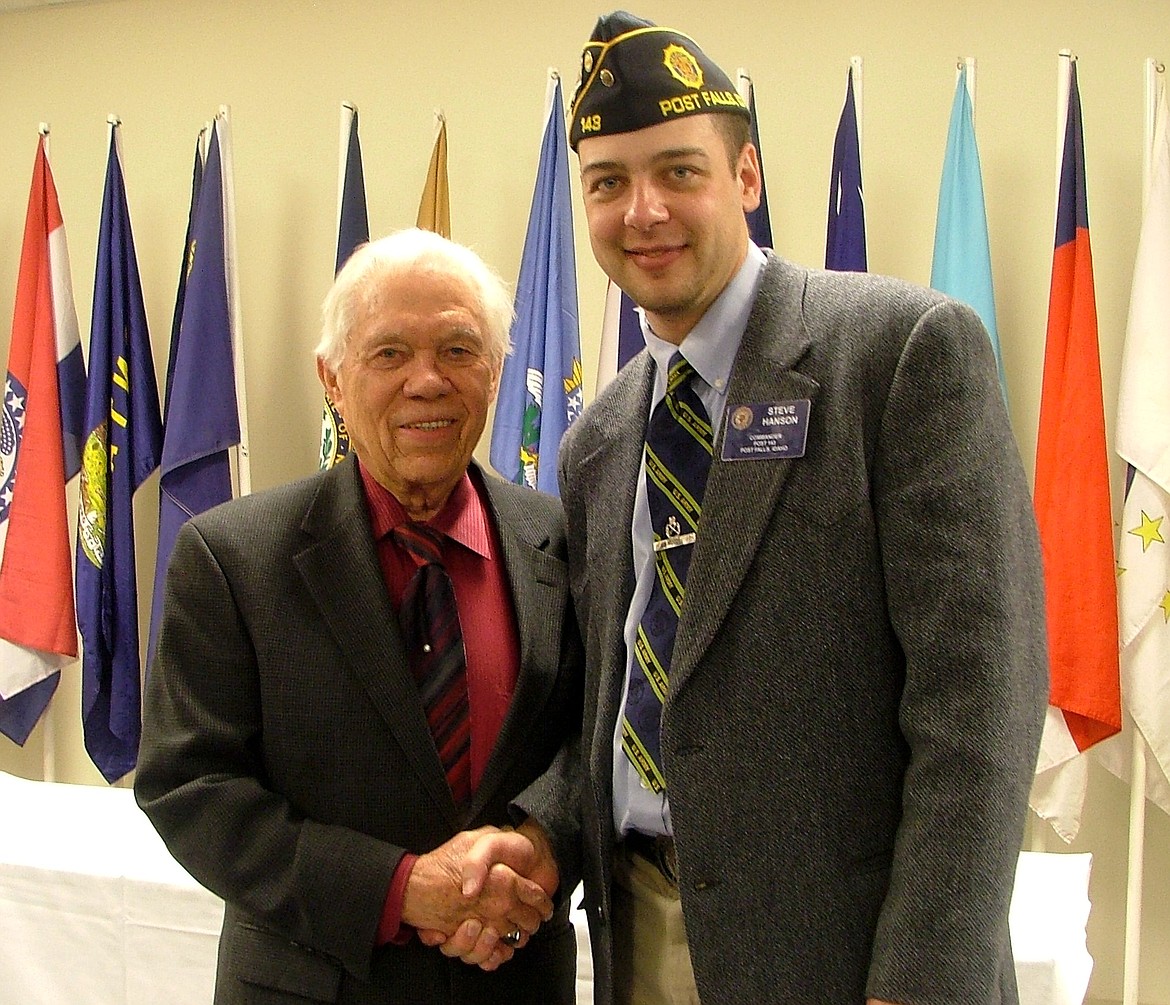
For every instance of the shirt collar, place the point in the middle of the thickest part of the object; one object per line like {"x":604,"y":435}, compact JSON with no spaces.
{"x":710,"y":346}
{"x":463,"y":517}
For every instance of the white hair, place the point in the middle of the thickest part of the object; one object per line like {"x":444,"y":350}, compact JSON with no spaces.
{"x":357,"y":284}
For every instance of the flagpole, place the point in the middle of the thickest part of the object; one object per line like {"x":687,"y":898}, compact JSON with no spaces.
{"x":855,"y":65}
{"x":550,"y":90}
{"x":1135,"y":869}
{"x":743,"y":83}
{"x":1064,"y":75}
{"x":243,"y":456}
{"x":968,"y":63}
{"x":1064,"y":61}
{"x":49,"y":719}
{"x":348,"y":111}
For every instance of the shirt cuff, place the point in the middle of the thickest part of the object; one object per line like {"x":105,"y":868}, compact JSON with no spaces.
{"x":391,"y":929}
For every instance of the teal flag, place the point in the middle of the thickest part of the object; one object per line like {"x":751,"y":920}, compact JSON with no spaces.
{"x":962,"y":253}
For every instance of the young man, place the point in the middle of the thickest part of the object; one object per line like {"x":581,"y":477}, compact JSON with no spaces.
{"x":805,"y":566}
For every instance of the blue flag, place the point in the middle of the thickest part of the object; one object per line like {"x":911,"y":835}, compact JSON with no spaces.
{"x":353,"y":221}
{"x":540,"y":389}
{"x":962,"y":253}
{"x":845,"y":238}
{"x":122,"y":448}
{"x":758,"y":220}
{"x":353,"y":228}
{"x":203,"y":421}
{"x":184,"y":269}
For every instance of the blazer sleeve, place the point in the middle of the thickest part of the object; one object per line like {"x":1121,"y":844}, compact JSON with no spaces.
{"x":962,"y":568}
{"x":202,"y":780}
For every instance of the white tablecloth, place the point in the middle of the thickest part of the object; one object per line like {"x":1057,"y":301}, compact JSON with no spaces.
{"x":94,"y":911}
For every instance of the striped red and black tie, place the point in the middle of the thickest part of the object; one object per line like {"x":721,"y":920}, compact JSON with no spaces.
{"x":430,"y":627}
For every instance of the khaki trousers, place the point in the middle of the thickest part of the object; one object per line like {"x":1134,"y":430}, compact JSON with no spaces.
{"x":652,"y":964}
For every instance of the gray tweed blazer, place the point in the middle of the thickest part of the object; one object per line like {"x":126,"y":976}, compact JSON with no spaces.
{"x":859,"y":679}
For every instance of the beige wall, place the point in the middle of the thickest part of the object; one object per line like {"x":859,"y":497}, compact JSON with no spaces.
{"x":165,"y":66}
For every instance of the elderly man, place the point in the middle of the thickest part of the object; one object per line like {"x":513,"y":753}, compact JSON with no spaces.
{"x":355,"y":668}
{"x":805,"y":565}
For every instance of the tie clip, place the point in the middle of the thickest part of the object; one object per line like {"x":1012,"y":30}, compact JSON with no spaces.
{"x":664,"y":543}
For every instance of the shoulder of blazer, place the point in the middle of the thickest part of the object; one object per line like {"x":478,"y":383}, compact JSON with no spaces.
{"x":308,"y":503}
{"x":535,"y":517}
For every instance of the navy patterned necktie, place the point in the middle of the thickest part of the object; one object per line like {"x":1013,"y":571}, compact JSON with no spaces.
{"x":678,"y":456}
{"x":434,"y":641}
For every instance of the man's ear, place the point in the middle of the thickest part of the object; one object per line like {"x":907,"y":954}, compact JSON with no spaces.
{"x":750,"y":177}
{"x":328,"y":380}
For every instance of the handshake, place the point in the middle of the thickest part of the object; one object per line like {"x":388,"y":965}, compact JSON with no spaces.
{"x":481,"y":895}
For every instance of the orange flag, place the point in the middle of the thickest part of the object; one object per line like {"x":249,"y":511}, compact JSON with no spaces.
{"x":1072,"y":473}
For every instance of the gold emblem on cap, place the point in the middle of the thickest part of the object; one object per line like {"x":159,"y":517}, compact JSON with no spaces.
{"x":588,"y":62}
{"x":606,"y":77}
{"x":683,"y":66}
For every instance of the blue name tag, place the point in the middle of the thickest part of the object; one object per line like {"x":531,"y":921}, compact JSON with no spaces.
{"x":765,"y":430}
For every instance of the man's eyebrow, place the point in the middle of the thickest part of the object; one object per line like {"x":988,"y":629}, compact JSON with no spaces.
{"x":671,"y":154}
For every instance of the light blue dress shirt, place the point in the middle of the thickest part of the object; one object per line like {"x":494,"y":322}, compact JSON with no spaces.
{"x":709,"y":347}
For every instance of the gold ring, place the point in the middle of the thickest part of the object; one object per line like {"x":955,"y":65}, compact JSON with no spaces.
{"x":512,"y":938}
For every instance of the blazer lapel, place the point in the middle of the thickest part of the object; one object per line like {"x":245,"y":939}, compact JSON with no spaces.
{"x":539,"y":590}
{"x":340,"y":568}
{"x":741,"y":496}
{"x":608,"y":477}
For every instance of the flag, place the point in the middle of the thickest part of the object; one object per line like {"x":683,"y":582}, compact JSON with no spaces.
{"x":353,"y":228}
{"x":540,"y":388}
{"x":845,"y":237}
{"x":122,"y":449}
{"x":434,"y":209}
{"x":43,"y":421}
{"x":962,"y":252}
{"x":1143,"y":442}
{"x":759,"y":222}
{"x":621,"y":335}
{"x":203,"y":420}
{"x":184,"y":269}
{"x":1073,"y":509}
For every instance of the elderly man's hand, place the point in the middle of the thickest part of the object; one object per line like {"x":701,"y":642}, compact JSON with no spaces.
{"x":440,"y":904}
{"x":499,"y":861}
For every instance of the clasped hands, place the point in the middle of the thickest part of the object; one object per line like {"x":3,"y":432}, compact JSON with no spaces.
{"x":468,"y":893}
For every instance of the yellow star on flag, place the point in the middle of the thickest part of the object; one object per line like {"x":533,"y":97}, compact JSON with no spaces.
{"x":1149,"y":531}
{"x":1165,"y":605}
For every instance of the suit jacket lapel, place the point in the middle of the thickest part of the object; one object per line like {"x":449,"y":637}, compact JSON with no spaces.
{"x":741,"y":496}
{"x":539,"y":590}
{"x":340,"y":568}
{"x":608,"y":473}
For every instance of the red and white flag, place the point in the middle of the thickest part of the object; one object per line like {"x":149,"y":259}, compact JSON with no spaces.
{"x":42,"y":423}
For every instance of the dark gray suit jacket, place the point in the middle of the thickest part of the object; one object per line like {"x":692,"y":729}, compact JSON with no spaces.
{"x":859,"y":679}
{"x":286,"y":759}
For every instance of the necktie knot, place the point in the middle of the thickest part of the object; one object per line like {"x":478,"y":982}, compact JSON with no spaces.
{"x":421,"y":541}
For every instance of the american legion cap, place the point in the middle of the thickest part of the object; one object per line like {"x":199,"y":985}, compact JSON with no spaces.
{"x":636,"y":74}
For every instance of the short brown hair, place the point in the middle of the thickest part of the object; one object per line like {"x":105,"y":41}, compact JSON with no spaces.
{"x":736,"y":133}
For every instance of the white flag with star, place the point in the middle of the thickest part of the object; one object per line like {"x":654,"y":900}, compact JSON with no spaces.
{"x":1143,"y":442}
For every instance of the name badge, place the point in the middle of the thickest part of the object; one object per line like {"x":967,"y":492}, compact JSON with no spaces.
{"x":765,"y":430}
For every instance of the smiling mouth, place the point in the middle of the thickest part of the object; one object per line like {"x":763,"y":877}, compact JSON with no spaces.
{"x":432,"y":424}
{"x":651,"y":257}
